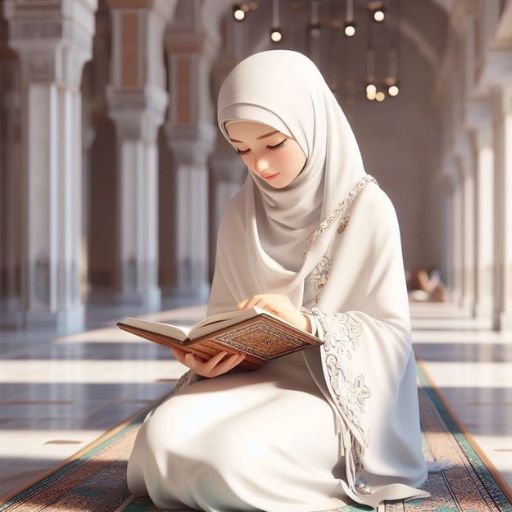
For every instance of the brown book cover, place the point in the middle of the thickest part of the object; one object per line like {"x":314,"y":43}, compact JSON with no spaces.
{"x":256,"y":332}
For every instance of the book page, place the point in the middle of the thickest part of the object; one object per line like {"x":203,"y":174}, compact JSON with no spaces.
{"x":177,"y":332}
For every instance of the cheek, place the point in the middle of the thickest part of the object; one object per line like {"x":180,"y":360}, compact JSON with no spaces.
{"x":289,"y":162}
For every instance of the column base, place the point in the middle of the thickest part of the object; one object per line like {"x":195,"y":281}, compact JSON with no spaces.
{"x":467,"y":304}
{"x":503,"y":321}
{"x":193,"y":292}
{"x":10,"y":313}
{"x":64,"y":321}
{"x":149,"y":300}
{"x":483,"y":315}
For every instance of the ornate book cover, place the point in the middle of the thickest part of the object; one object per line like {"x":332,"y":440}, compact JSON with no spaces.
{"x":261,"y":337}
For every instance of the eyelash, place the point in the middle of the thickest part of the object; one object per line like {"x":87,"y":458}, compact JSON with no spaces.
{"x":280,"y":145}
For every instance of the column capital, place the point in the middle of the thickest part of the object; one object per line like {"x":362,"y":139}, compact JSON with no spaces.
{"x":181,"y":42}
{"x":226,"y":165}
{"x":53,"y":38}
{"x":497,"y":69}
{"x":463,"y":153}
{"x":451,"y":170}
{"x":501,"y":102}
{"x":137,"y":113}
{"x":479,"y":116}
{"x":165,"y":8}
{"x":191,"y":145}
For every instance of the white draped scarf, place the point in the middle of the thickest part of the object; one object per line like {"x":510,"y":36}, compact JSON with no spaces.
{"x":270,"y":239}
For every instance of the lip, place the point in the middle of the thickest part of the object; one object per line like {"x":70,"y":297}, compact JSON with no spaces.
{"x":270,"y":176}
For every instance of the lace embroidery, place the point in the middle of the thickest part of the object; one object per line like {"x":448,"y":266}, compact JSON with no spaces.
{"x":184,"y":381}
{"x":342,"y":338}
{"x":338,"y":212}
{"x":343,"y":223}
{"x":342,"y":332}
{"x":316,"y":280}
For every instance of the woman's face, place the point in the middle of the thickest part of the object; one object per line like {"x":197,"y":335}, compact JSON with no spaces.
{"x":268,"y":153}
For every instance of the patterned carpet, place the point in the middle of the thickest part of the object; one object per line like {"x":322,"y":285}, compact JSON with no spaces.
{"x":94,"y":479}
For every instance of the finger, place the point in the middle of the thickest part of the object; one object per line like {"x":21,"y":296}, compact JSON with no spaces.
{"x":193,"y":361}
{"x":190,"y":360}
{"x":178,"y":351}
{"x":242,"y":304}
{"x":212,"y":362}
{"x":253,"y":302}
{"x":228,"y":364}
{"x":269,"y":306}
{"x":178,"y":354}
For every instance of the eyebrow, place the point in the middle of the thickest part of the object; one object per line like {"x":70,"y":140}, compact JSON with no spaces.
{"x":258,"y":138}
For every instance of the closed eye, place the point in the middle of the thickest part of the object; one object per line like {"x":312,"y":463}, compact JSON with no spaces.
{"x":280,"y":145}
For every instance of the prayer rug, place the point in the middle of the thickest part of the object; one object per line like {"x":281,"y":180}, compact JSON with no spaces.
{"x":461,"y":477}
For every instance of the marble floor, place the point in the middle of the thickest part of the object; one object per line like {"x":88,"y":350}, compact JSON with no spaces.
{"x":57,"y":394}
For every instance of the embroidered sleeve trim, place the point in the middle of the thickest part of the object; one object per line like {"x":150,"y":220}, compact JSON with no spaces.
{"x":186,"y":379}
{"x":342,"y":338}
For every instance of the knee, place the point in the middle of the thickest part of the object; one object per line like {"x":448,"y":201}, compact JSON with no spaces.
{"x":172,"y":424}
{"x":233,"y":449}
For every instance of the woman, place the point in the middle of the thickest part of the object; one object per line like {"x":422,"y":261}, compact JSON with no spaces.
{"x":313,"y":238}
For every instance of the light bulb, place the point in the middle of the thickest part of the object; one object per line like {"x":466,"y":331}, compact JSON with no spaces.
{"x":371,"y":89}
{"x":393,"y":90}
{"x":275,"y":35}
{"x":350,"y":29}
{"x":378,"y":15}
{"x":238,"y":13}
{"x":380,"y":96}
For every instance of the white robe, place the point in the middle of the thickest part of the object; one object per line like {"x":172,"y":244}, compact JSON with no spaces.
{"x":258,"y":440}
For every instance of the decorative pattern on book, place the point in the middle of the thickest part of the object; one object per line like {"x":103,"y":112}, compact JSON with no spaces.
{"x":338,"y":213}
{"x":260,"y":339}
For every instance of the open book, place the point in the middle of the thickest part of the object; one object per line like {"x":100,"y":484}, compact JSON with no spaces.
{"x":256,"y":332}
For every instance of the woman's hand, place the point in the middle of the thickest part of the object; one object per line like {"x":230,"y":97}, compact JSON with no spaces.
{"x":279,"y":305}
{"x":216,"y":365}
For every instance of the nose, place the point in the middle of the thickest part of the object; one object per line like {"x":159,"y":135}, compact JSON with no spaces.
{"x":260,"y":165}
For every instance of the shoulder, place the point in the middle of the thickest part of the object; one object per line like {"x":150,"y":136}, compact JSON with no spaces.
{"x":371,"y":222}
{"x":374,"y":205}
{"x":373,"y":195}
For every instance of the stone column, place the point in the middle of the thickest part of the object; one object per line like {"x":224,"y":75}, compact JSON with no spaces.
{"x":137,"y":102}
{"x":228,"y":173}
{"x":10,"y":163}
{"x":502,"y":129}
{"x":447,"y":187}
{"x":466,"y":170}
{"x":191,"y":136}
{"x":458,"y":239}
{"x":88,"y":136}
{"x":53,"y":40}
{"x":482,"y":143}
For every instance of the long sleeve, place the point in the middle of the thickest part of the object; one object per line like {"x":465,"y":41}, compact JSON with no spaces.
{"x":362,"y":315}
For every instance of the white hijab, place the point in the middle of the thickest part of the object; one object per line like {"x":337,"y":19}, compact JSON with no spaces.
{"x":270,"y":239}
{"x":284,"y":89}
